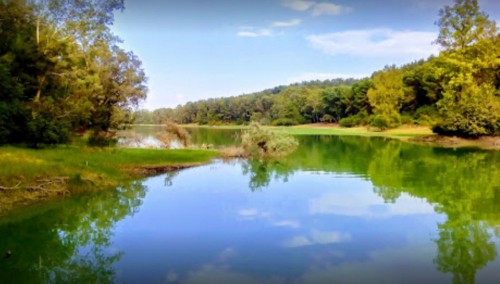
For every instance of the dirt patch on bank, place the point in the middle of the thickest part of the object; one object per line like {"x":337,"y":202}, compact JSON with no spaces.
{"x":155,"y":170}
{"x":487,"y":142}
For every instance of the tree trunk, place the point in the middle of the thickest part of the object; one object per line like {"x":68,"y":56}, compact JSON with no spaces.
{"x":41,"y":80}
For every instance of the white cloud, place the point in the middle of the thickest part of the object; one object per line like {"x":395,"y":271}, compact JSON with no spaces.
{"x":252,"y":214}
{"x":360,"y":204}
{"x":322,"y":8}
{"x":377,"y":43}
{"x":413,"y":256}
{"x":287,"y":223}
{"x":291,"y":23}
{"x":311,"y":76}
{"x":317,"y":238}
{"x":253,"y":32}
{"x":429,"y":4}
{"x":298,"y":5}
{"x":329,"y":9}
{"x":248,"y":212}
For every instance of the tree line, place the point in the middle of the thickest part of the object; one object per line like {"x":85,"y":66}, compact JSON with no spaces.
{"x":62,"y":71}
{"x":455,"y":92}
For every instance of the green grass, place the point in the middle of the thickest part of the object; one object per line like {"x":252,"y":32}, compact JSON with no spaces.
{"x":311,"y":129}
{"x":81,"y":168}
{"x":348,"y":131}
{"x":28,"y":164}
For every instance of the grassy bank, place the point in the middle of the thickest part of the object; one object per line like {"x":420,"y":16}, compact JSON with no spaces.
{"x":334,"y":129}
{"x":27,"y":174}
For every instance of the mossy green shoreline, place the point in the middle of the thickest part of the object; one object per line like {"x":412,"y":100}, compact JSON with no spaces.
{"x":28,"y":175}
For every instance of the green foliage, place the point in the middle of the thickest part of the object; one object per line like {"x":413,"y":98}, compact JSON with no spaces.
{"x":471,"y":104}
{"x":260,"y":142}
{"x":473,"y":111}
{"x":61,"y":70}
{"x":67,"y":160}
{"x":101,"y":139}
{"x":387,"y":97}
{"x":358,"y":119}
{"x":44,"y":129}
{"x":385,"y":121}
{"x":463,"y":24}
{"x":350,"y":121}
{"x":285,"y":122}
{"x":426,"y":115}
{"x":406,"y":119}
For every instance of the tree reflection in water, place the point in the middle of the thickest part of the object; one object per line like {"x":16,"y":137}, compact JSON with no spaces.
{"x":68,"y":241}
{"x":462,"y":184}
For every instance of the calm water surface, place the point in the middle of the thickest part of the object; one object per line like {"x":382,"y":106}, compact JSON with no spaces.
{"x":339,"y":210}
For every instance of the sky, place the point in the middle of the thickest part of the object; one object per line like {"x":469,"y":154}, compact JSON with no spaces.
{"x":198,"y":49}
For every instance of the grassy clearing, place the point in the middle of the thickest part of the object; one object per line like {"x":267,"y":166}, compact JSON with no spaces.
{"x":401,"y":132}
{"x":27,"y":174}
{"x":331,"y":129}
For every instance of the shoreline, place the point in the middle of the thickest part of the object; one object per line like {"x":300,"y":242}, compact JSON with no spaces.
{"x":29,"y":176}
{"x":409,"y":133}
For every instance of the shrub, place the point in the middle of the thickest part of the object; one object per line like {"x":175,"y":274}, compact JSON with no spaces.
{"x":285,"y":122}
{"x":233,"y":152}
{"x":327,"y":118}
{"x":407,"y":119}
{"x":102,"y":139}
{"x":426,"y":115}
{"x":261,"y":142}
{"x":384,"y":121}
{"x":350,"y":121}
{"x":44,"y":129}
{"x":174,"y":132}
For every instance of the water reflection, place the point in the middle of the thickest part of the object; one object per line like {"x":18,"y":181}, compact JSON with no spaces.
{"x":261,"y":172}
{"x":462,"y":184}
{"x":349,"y":209}
{"x":68,"y":241}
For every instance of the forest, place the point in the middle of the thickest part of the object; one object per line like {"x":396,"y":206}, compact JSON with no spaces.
{"x":455,"y":92}
{"x":62,"y":72}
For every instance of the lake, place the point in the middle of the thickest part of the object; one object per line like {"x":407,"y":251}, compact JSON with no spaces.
{"x":338,"y":210}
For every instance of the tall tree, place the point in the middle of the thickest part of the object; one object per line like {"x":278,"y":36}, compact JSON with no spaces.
{"x":386,"y":97}
{"x":463,"y":24}
{"x":471,"y":100}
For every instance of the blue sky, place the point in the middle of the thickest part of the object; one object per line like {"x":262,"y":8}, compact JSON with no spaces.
{"x":194,"y":49}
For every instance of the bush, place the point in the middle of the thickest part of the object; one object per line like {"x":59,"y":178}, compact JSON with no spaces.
{"x":407,"y":119}
{"x":384,"y":121}
{"x":285,"y":122}
{"x":261,"y":142}
{"x":173,"y":132}
{"x":327,"y":118}
{"x":360,"y":118}
{"x":102,"y":139}
{"x":426,"y":115}
{"x":350,"y":121}
{"x":44,"y":129}
{"x":469,"y":130}
{"x":469,"y":108}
